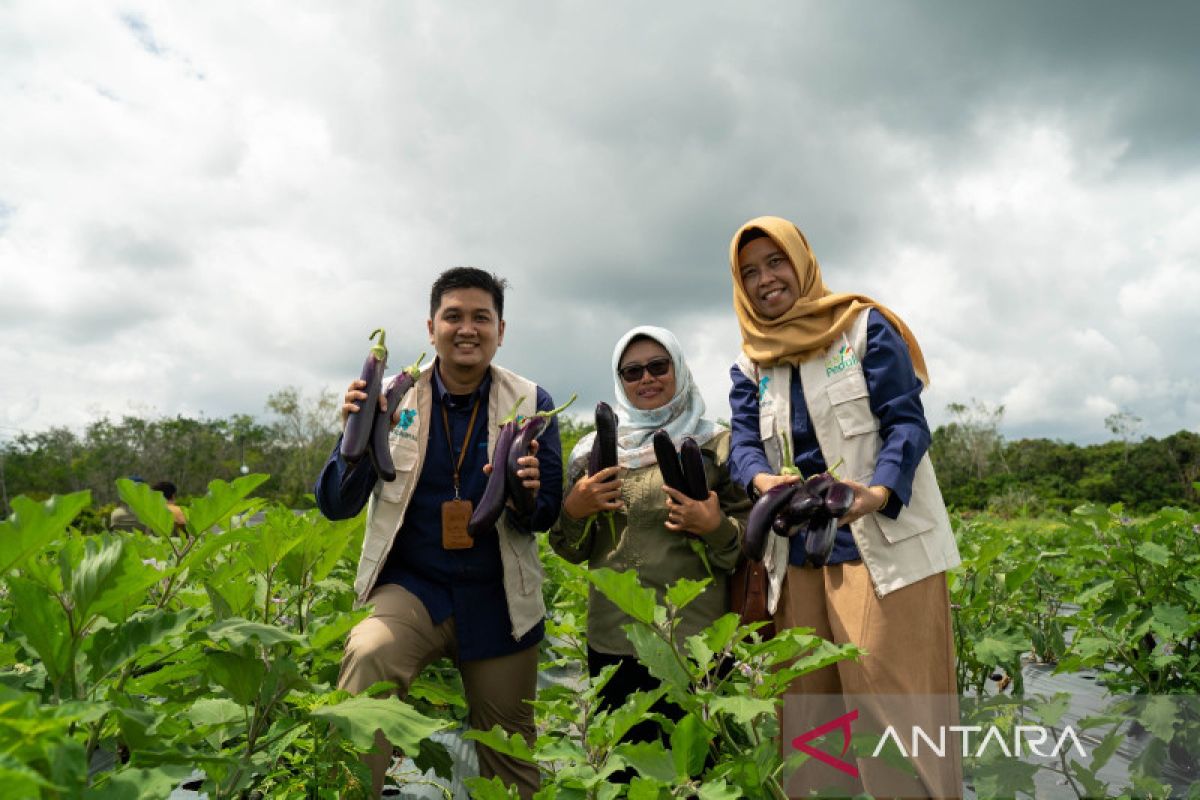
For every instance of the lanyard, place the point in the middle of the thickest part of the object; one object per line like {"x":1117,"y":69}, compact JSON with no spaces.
{"x":463,"y":453}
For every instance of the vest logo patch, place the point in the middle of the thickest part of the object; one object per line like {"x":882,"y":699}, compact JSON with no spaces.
{"x":840,"y":361}
{"x":762,"y":387}
{"x":407,"y":417}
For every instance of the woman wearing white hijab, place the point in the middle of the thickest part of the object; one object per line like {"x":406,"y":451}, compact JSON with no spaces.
{"x":656,"y":527}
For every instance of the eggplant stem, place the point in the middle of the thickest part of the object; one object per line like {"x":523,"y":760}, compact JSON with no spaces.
{"x":379,"y":349}
{"x":554,"y":412}
{"x":414,"y":369}
{"x":512,"y":415}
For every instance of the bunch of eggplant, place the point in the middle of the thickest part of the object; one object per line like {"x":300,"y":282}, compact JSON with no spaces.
{"x":515,"y":440}
{"x":683,"y":471}
{"x":810,"y":508}
{"x":367,"y":431}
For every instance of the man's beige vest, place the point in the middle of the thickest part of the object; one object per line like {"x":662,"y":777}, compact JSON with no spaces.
{"x":896,"y":552}
{"x":523,"y":573}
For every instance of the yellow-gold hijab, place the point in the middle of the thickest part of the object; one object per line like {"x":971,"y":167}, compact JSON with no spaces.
{"x":818,"y":316}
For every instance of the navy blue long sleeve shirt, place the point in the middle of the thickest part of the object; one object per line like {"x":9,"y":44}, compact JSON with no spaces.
{"x":895,"y":399}
{"x":464,"y":584}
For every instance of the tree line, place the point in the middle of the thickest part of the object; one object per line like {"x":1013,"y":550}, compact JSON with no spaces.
{"x":977,"y":468}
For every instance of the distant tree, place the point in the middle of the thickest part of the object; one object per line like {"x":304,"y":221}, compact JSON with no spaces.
{"x":970,"y":446}
{"x":306,"y":428}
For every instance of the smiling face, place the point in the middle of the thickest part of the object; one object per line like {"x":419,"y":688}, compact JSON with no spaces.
{"x":649,"y":391}
{"x":466,"y":330}
{"x":768,"y":277}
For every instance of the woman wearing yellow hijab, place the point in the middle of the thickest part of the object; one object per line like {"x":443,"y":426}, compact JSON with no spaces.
{"x":828,"y":380}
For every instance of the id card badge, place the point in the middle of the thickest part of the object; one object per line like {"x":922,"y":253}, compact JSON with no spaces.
{"x":455,"y":516}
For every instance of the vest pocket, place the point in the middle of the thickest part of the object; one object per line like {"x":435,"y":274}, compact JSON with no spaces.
{"x":910,"y":523}
{"x":404,"y":456}
{"x":852,"y":405}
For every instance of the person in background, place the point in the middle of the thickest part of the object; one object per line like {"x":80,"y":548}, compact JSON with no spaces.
{"x":121,"y":518}
{"x":660,"y":532}
{"x":434,"y":590}
{"x":168,"y":490}
{"x":835,"y":380}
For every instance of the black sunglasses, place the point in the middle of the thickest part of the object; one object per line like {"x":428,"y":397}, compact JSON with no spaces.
{"x":632,"y":373}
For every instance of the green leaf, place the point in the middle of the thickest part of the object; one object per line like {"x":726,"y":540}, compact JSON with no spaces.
{"x":658,"y":657}
{"x":359,"y":717}
{"x":147,"y":505}
{"x":718,"y":790}
{"x":1001,"y":647}
{"x":222,"y":501}
{"x":140,"y":783}
{"x":744,"y":710}
{"x":1173,"y":622}
{"x":490,"y":789}
{"x":41,"y":619}
{"x":110,"y":649}
{"x":650,"y":759}
{"x":210,"y":711}
{"x":240,"y":675}
{"x":240,"y":633}
{"x":647,"y":789}
{"x":110,"y":581}
{"x":1159,"y":715}
{"x":689,"y":746}
{"x":633,"y":711}
{"x":1154,"y":553}
{"x":1017,"y":578}
{"x":626,"y":593}
{"x":332,"y":632}
{"x":33,"y":526}
{"x":684,"y":591}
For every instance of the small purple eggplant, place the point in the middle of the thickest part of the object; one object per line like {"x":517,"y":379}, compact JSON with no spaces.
{"x":838,"y":499}
{"x":491,"y":505}
{"x":530,"y":429}
{"x":819,"y":538}
{"x":668,"y":462}
{"x":802,"y":505}
{"x":379,"y":449}
{"x":762,"y":517}
{"x":692,"y":461}
{"x":358,"y":426}
{"x":819,"y":484}
{"x":604,"y":446}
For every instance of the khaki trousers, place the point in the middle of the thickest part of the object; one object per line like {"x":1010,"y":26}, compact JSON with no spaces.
{"x":399,"y":639}
{"x":910,"y":653}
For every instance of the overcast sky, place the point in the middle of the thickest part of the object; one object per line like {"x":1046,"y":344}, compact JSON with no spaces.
{"x":202,"y":203}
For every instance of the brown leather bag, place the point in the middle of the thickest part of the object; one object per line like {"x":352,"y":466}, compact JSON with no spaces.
{"x":748,"y":595}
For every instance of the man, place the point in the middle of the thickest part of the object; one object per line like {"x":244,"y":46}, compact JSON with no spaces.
{"x":168,"y":490}
{"x":435,"y":590}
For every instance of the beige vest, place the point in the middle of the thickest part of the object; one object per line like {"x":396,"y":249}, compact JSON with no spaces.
{"x":523,"y":573}
{"x":896,"y":552}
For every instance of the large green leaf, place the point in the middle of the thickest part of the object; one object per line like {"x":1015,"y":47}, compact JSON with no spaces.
{"x":147,"y":505}
{"x":743,"y":709}
{"x":658,"y":657}
{"x":633,"y":711}
{"x":140,"y":783}
{"x":240,"y":675}
{"x":333,"y":631}
{"x":239,"y":633}
{"x":650,"y":759}
{"x":626,"y":593}
{"x":41,"y":619}
{"x":684,"y":591}
{"x":33,"y":526}
{"x":689,"y":746}
{"x":110,"y":580}
{"x":111,"y":648}
{"x":222,"y":501}
{"x":718,"y":790}
{"x":359,"y":717}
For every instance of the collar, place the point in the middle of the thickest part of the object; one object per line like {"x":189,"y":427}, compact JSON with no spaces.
{"x":443,"y":397}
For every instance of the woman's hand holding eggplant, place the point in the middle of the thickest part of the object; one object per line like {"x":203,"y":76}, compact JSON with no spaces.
{"x":593,"y":494}
{"x":685,"y":515}
{"x":867,"y":499}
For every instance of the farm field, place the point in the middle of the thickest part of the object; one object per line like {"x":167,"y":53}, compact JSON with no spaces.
{"x":132,"y":662}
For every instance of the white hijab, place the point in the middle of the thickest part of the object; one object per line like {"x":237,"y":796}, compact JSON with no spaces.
{"x":682,"y":416}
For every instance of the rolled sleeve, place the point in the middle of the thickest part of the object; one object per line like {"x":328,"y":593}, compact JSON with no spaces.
{"x":343,"y":488}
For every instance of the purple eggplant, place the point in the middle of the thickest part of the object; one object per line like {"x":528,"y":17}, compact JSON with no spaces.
{"x":819,"y":484}
{"x":604,"y":446}
{"x":530,"y":429}
{"x":379,"y":449}
{"x":762,"y":517}
{"x":668,"y":462}
{"x":692,"y":461}
{"x":488,"y":509}
{"x":802,"y":505}
{"x":819,"y":538}
{"x":838,"y":499}
{"x":358,"y":426}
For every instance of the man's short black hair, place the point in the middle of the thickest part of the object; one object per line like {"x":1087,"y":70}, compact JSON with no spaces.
{"x":468,"y":278}
{"x":167,"y":488}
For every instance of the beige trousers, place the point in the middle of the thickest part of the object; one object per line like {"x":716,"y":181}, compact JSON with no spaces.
{"x":399,"y":639}
{"x":910,"y":653}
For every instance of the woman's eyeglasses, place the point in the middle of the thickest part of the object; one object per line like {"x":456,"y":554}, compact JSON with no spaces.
{"x":632,"y":373}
